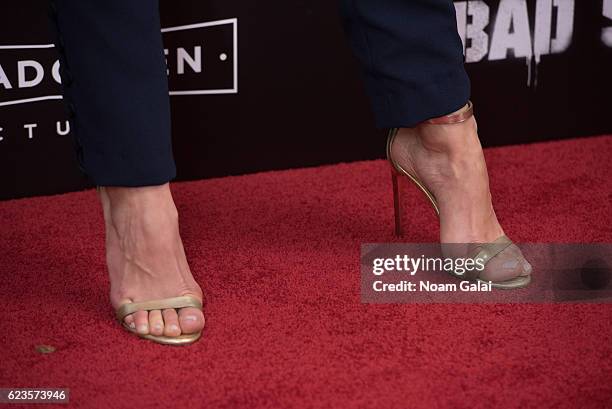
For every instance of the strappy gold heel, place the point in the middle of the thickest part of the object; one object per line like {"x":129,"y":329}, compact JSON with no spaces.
{"x":166,"y":303}
{"x":163,"y":304}
{"x":484,"y":251}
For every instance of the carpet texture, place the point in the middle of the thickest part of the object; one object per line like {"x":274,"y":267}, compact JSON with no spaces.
{"x":277,"y":255}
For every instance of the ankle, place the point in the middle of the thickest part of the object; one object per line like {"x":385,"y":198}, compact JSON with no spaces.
{"x":453,"y":140}
{"x":137,"y":196}
{"x":147,"y":206}
{"x":141,"y":198}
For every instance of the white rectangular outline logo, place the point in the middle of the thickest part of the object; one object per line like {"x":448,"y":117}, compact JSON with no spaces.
{"x":234,"y":23}
{"x":233,"y":90}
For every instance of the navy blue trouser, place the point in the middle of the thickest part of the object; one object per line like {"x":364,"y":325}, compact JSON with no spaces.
{"x":115,"y":85}
{"x":412,"y":58}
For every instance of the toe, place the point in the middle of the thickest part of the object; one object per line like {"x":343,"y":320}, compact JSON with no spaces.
{"x":191,"y":320}
{"x":527,"y":268}
{"x":141,"y":319}
{"x":171,"y":323}
{"x":505,"y":266}
{"x":502,"y":270}
{"x":156,"y":322}
{"x":129,"y":321}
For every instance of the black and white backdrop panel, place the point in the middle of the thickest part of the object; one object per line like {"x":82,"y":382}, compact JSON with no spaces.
{"x":272,"y":85}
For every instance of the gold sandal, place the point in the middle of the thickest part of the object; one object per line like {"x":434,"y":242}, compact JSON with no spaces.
{"x":163,"y":304}
{"x":484,"y":251}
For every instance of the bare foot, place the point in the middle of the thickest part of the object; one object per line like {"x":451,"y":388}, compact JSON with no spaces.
{"x":448,"y":159}
{"x":146,"y":259}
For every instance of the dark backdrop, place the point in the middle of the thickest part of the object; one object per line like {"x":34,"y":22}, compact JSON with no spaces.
{"x":298,"y":100}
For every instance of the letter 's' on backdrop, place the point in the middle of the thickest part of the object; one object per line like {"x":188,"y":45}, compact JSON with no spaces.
{"x":271,"y":85}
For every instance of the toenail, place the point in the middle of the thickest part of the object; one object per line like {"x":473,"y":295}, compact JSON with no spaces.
{"x":174,"y":327}
{"x":158,"y":326}
{"x":132,"y":325}
{"x":142,"y":328}
{"x":191,"y":318}
{"x":510,"y":264}
{"x":527,"y":267}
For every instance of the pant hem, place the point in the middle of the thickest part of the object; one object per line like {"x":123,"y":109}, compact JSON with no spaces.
{"x":405,"y":106}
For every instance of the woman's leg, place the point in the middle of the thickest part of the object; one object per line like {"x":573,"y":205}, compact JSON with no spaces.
{"x":115,"y":88}
{"x":412,"y":58}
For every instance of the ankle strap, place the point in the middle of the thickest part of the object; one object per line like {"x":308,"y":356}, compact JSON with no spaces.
{"x":461,"y":116}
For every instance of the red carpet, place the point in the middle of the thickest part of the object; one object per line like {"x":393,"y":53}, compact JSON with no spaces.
{"x":278,"y":256}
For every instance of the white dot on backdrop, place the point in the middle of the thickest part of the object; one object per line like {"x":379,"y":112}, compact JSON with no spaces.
{"x":223,"y":56}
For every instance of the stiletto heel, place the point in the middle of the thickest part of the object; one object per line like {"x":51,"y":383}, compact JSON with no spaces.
{"x":484,"y":251}
{"x":397,"y":170}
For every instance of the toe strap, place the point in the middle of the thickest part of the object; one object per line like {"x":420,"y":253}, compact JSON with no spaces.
{"x":486,"y":251}
{"x":163,"y":304}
